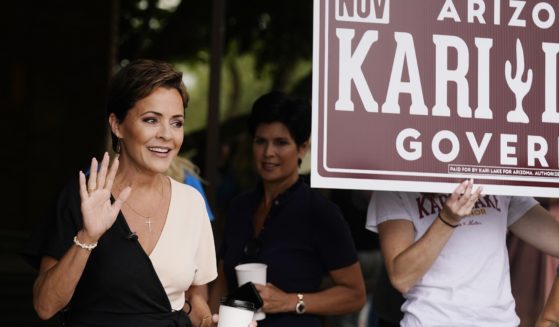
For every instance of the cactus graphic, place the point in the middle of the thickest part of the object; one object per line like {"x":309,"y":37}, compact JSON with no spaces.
{"x":517,"y":86}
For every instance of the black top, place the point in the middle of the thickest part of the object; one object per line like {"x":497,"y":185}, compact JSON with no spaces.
{"x":119,"y":285}
{"x":303,"y":238}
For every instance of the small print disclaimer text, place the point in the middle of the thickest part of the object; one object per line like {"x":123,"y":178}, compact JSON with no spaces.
{"x":506,"y":171}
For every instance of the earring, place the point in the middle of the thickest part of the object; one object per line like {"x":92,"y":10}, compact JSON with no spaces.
{"x":117,"y":148}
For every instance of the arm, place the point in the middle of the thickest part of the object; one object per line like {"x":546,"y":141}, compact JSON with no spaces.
{"x":218,"y":288}
{"x":57,"y":280}
{"x":550,"y":314}
{"x":538,"y":228}
{"x":198,"y":297}
{"x":347,"y":295}
{"x":407,"y":260}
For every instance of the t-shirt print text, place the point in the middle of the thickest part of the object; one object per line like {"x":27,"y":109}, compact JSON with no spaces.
{"x":428,"y":205}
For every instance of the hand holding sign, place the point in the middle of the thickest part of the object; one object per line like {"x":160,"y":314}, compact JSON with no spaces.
{"x":461,"y":202}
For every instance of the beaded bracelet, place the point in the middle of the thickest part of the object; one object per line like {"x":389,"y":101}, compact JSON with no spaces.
{"x":447,"y":223}
{"x":88,"y":247}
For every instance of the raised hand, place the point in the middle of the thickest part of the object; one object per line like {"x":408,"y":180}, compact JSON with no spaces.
{"x":97,"y":211}
{"x":461,"y":202}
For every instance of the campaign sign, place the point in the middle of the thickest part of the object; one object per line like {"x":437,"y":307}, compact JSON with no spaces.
{"x":415,"y":95}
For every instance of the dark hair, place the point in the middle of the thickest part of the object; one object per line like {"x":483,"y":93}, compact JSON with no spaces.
{"x":136,"y":81}
{"x":294,"y":113}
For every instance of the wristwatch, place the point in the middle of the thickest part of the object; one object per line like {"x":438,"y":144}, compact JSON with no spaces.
{"x":300,"y":306}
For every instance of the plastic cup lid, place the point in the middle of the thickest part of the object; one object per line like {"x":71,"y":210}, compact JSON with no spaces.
{"x":238,"y":303}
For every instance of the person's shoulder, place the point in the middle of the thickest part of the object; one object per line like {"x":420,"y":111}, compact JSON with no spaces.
{"x":519,"y":201}
{"x":186,"y":191}
{"x":510,"y":198}
{"x":193,"y":181}
{"x":242,"y":203}
{"x":395,"y":196}
{"x":320,"y":203}
{"x":316,"y":196}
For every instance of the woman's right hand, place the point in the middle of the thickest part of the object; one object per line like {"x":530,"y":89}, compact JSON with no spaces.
{"x":461,"y":202}
{"x":95,"y":193}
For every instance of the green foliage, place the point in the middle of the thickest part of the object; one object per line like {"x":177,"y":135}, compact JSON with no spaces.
{"x":141,"y":21}
{"x":196,"y":80}
{"x":267,"y":45}
{"x":278,"y":34}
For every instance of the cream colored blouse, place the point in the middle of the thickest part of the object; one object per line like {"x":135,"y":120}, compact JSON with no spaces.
{"x":185,"y":252}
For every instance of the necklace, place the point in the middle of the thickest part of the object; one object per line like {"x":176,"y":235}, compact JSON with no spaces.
{"x":147,"y":219}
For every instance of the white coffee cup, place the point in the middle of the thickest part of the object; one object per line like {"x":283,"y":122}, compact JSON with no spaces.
{"x":235,"y":313}
{"x":252,"y":272}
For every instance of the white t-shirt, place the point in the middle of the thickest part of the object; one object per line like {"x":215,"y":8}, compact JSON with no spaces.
{"x":469,"y":282}
{"x":185,"y":252}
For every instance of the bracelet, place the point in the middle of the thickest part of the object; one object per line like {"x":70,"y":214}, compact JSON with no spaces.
{"x":446,"y":222}
{"x":88,"y":247}
{"x":189,"y":307}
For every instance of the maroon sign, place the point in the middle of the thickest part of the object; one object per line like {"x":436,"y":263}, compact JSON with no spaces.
{"x":418,"y":95}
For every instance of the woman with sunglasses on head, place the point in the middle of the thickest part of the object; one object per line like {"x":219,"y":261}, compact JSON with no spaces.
{"x":145,"y":258}
{"x":283,"y":223}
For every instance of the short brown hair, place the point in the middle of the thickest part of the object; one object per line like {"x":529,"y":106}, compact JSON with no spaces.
{"x":136,"y":81}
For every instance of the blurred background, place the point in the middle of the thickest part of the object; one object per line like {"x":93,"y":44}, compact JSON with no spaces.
{"x":57,"y":58}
